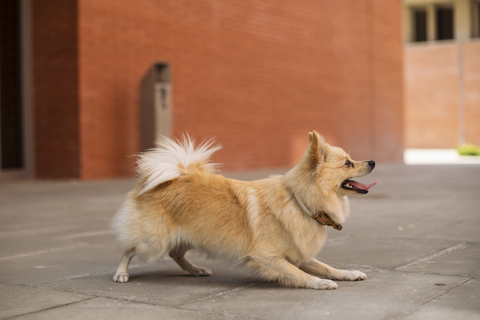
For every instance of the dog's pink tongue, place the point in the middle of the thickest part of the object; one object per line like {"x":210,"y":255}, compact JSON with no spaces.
{"x":362,"y":186}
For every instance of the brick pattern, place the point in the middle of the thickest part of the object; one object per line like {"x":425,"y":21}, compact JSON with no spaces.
{"x":387,"y":116}
{"x":256,"y":75}
{"x":432,"y":95}
{"x":472,"y":92}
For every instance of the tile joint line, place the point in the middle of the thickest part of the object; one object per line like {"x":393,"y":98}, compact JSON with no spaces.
{"x":440,"y":253}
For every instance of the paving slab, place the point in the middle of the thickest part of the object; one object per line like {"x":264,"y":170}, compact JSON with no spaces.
{"x":463,"y":259}
{"x":100,"y":308}
{"x":29,"y":242}
{"x":393,"y":228}
{"x":162,"y":283}
{"x":453,"y":206}
{"x":460,"y":303}
{"x":18,"y":300}
{"x":56,"y":265}
{"x":31,"y":205}
{"x":384,"y":253}
{"x":15,"y":246}
{"x":458,"y":231}
{"x":383,"y":295}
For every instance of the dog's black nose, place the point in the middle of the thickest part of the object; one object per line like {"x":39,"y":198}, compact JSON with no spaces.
{"x":371,"y":163}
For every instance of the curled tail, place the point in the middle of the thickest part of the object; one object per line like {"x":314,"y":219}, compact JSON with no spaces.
{"x":170,"y":159}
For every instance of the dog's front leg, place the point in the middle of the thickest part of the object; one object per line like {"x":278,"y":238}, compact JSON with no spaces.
{"x":279,"y":269}
{"x":320,"y":269}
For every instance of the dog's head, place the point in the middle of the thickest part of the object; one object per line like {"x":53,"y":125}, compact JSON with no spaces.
{"x":333,"y":169}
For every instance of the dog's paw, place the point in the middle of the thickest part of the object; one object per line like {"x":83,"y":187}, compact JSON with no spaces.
{"x":353,"y":275}
{"x":201,"y":272}
{"x":121,"y":277}
{"x":322,"y":284}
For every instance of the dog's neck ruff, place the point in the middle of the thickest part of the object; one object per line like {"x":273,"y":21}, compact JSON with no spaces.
{"x":321,"y":217}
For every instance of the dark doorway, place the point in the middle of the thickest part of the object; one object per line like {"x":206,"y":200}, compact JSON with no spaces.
{"x":11,"y":130}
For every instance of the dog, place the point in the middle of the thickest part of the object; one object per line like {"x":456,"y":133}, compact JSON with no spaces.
{"x":273,"y":226}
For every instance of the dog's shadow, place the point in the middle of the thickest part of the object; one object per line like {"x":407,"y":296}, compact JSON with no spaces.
{"x":179,"y":278}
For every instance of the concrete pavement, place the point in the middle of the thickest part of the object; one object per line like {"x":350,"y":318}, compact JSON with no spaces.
{"x":416,"y":236}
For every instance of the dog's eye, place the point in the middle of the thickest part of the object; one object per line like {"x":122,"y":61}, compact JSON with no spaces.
{"x":348,"y":163}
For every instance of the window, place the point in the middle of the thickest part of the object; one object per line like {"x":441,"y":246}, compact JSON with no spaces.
{"x":420,"y":25}
{"x":476,"y":19}
{"x":444,"y":17}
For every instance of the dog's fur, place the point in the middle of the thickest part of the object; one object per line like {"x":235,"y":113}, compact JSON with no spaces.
{"x":180,"y":204}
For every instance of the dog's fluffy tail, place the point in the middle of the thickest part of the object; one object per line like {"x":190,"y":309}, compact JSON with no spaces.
{"x":170,"y":159}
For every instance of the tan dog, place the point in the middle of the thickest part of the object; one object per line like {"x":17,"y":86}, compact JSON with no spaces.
{"x":267,"y":225}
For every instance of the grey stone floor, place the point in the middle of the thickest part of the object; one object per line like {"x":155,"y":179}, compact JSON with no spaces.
{"x":416,"y":236}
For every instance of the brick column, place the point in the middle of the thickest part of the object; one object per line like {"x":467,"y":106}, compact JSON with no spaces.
{"x":55,"y":85}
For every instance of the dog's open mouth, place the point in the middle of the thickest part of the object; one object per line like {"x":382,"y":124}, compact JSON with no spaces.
{"x":357,"y":186}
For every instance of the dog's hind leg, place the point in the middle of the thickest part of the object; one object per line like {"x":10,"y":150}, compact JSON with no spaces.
{"x":178,"y":255}
{"x":279,"y":269}
{"x":320,"y":269}
{"x":121,"y":274}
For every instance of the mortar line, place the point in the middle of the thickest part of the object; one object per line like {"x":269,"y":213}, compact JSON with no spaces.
{"x":440,"y":253}
{"x":43,"y":287}
{"x":177,"y":307}
{"x":216,"y":295}
{"x":228,"y":314}
{"x":85,"y":234}
{"x":46,"y":309}
{"x":381,"y":269}
{"x":43,"y":252}
{"x":76,"y":277}
{"x":406,"y":313}
{"x":435,"y":273}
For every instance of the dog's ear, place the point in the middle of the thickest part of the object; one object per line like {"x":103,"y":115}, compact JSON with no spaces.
{"x":317,"y":148}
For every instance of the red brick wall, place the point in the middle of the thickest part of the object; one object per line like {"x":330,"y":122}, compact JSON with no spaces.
{"x":472,"y":92}
{"x":386,"y":91}
{"x":257,"y":75}
{"x":55,"y":79}
{"x":432,"y":95}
